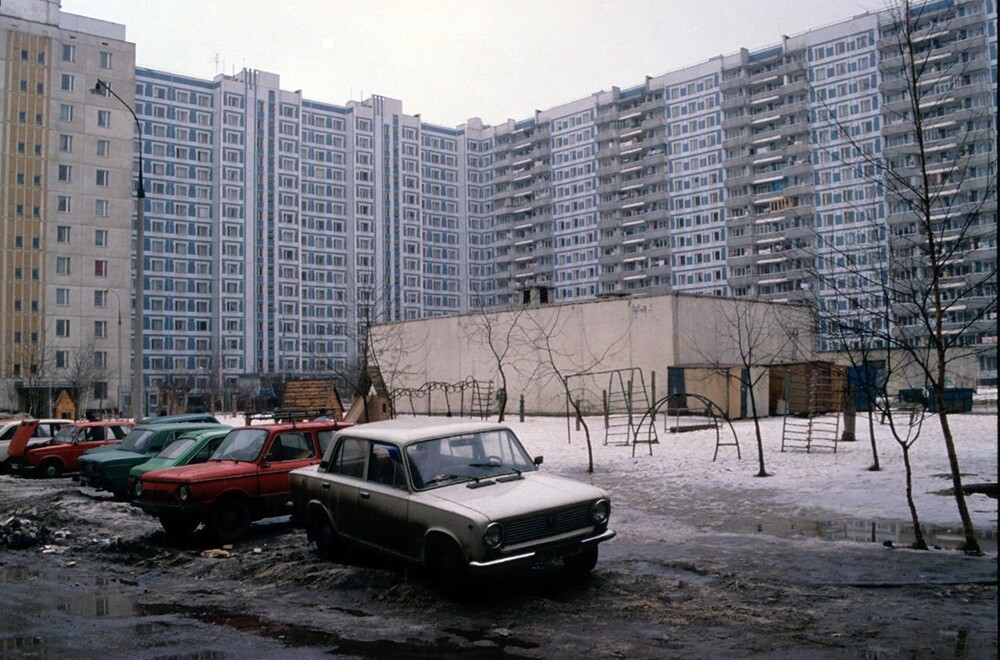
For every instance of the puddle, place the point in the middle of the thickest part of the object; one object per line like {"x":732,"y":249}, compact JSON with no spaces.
{"x":899,"y":534}
{"x":472,"y":645}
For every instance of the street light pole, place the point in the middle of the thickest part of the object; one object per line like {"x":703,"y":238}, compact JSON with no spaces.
{"x":121,"y":380}
{"x":138,"y":403}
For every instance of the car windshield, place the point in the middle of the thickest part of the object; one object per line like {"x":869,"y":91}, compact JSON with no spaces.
{"x":137,"y":440}
{"x":465,"y":457}
{"x":66,"y":435}
{"x":176,"y":448}
{"x":241,"y":445}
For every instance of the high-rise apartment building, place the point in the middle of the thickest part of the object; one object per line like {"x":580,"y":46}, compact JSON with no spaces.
{"x":277,"y":227}
{"x":65,"y":206}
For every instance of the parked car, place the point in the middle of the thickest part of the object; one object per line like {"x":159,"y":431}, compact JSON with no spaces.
{"x":246,"y":479}
{"x":108,"y":469}
{"x":192,"y":448}
{"x":60,"y":454}
{"x":459,"y":499}
{"x":43,"y":432}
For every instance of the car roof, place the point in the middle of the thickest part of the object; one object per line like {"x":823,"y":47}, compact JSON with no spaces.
{"x":178,"y":426}
{"x":102,"y":422}
{"x":288,"y":426}
{"x":174,"y":419}
{"x":405,"y":430}
{"x":207,"y":432}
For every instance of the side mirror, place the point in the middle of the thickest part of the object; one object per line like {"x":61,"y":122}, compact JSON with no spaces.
{"x":538,"y":460}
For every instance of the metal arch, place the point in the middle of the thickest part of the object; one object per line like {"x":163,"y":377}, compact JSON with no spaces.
{"x":709,"y":405}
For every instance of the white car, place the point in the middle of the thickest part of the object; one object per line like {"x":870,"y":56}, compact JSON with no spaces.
{"x":47,"y":429}
{"x":459,"y":499}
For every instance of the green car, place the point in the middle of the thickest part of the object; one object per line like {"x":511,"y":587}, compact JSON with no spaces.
{"x":108,"y":470}
{"x":191,"y":448}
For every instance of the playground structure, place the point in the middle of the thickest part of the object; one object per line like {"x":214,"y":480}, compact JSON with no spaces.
{"x":480,"y":397}
{"x":623,"y":401}
{"x":699,"y":413}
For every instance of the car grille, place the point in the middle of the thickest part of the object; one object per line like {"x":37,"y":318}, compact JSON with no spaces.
{"x":547,"y":524}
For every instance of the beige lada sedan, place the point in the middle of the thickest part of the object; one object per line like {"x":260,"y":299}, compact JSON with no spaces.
{"x":458,"y":498}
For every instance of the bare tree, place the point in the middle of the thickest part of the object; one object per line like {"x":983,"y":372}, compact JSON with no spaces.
{"x":758,"y":337}
{"x":500,"y":332}
{"x":547,"y":332}
{"x":80,"y":374}
{"x":941,"y":197}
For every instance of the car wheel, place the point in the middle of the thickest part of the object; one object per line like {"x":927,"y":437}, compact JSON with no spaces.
{"x":177,"y":527}
{"x":327,"y":544}
{"x":51,"y":469}
{"x":447,"y":567}
{"x":230,"y":520}
{"x":583,"y":563}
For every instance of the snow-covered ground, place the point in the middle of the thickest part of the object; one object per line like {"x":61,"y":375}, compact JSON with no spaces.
{"x":676,"y":476}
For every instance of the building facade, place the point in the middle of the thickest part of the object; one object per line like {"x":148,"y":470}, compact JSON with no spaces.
{"x":277,"y":227}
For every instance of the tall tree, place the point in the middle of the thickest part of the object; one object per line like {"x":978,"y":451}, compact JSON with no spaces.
{"x":938,"y":242}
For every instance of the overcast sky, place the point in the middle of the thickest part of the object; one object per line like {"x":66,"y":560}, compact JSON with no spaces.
{"x":449,"y":60}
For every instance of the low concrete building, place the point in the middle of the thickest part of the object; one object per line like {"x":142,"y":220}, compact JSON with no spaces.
{"x":542,"y":349}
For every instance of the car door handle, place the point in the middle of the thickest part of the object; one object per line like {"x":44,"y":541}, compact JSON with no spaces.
{"x":365,"y":494}
{"x":326,"y":486}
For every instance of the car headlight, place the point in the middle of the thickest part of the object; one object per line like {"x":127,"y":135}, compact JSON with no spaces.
{"x":493,"y":536}
{"x":184,"y":493}
{"x":600,"y":511}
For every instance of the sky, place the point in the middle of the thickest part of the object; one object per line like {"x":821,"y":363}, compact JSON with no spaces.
{"x":450,"y":60}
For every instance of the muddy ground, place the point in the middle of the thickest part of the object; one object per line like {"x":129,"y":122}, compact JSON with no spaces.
{"x":102,"y":580}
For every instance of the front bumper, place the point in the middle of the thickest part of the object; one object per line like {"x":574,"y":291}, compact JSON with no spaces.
{"x":546,"y":552}
{"x":22,"y":468}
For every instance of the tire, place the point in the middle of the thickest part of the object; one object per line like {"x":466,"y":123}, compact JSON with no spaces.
{"x":230,"y":520}
{"x":51,"y":469}
{"x":327,"y":543}
{"x":582,"y":564}
{"x":177,"y":527}
{"x":447,"y":567}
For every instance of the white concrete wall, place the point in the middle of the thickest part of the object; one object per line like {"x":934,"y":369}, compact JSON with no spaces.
{"x":649,"y":333}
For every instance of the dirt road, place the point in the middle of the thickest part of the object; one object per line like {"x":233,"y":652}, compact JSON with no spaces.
{"x":99,"y":579}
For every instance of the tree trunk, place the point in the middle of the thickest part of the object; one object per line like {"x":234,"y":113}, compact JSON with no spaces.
{"x":871,"y":434}
{"x":918,"y":535}
{"x":971,"y":545}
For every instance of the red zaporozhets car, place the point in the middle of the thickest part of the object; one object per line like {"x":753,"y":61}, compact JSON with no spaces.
{"x":59,"y":455}
{"x":246,"y":479}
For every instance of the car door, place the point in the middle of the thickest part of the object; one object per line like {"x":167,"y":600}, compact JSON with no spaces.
{"x":341,"y":481}
{"x":383,"y":501}
{"x":287,"y":451}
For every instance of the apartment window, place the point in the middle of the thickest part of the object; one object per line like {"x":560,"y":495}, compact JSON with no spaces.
{"x":66,"y":112}
{"x":101,"y":298}
{"x":100,"y":329}
{"x":64,"y":203}
{"x":104,"y":118}
{"x":102,"y":178}
{"x":66,"y":143}
{"x":68,"y":83}
{"x":62,"y":296}
{"x":105,"y":60}
{"x":104,"y":148}
{"x":69,"y":53}
{"x":62,"y":234}
{"x":101,"y":208}
{"x":101,"y":268}
{"x":65,"y":174}
{"x":62,"y":327}
{"x":62,"y":266}
{"x":101,"y":237}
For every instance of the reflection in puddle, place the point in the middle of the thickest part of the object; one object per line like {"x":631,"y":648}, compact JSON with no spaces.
{"x":900,"y":534}
{"x":23,"y":647}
